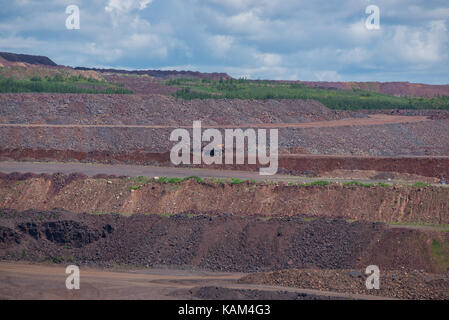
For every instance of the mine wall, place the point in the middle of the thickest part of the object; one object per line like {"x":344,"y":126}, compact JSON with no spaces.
{"x":77,"y":193}
{"x":217,"y":243}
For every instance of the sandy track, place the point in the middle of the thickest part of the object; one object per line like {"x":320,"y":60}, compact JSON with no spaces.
{"x":37,"y":281}
{"x":377,"y":119}
{"x":153,"y":171}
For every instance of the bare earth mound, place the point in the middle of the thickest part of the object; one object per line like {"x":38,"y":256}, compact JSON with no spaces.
{"x":395,"y":284}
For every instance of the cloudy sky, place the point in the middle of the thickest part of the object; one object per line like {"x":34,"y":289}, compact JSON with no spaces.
{"x":259,"y":39}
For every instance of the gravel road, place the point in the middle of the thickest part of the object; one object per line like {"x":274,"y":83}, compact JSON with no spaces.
{"x":153,"y":171}
{"x":38,"y":281}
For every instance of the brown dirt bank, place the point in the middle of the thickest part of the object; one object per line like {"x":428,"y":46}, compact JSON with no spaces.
{"x":76,"y":193}
{"x":437,"y":167}
{"x":305,"y":164}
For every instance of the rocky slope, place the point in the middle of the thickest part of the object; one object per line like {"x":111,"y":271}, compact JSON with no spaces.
{"x":217,"y":243}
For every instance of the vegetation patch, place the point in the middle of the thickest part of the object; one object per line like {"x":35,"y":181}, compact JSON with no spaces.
{"x":315,"y":183}
{"x":141,"y":179}
{"x":420,"y":185}
{"x":435,"y":226}
{"x":196,"y":178}
{"x":358,"y":183}
{"x":335,"y":99}
{"x":178,"y":180}
{"x":59,"y":84}
{"x":164,"y":215}
{"x":440,"y":251}
{"x":60,"y":259}
{"x":382,"y":184}
{"x":236,"y":181}
{"x":308,"y":219}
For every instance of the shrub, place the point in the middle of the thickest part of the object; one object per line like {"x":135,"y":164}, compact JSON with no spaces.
{"x":357,"y":183}
{"x":236,"y":181}
{"x":421,"y":184}
{"x":57,"y":84}
{"x":318,"y":183}
{"x":332,"y":98}
{"x":196,"y":178}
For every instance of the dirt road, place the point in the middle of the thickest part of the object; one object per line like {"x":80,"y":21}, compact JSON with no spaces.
{"x":377,"y":119}
{"x":152,"y":171}
{"x":37,"y":281}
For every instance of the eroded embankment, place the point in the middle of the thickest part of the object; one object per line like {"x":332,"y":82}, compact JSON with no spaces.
{"x":77,"y":193}
{"x":226,"y":243}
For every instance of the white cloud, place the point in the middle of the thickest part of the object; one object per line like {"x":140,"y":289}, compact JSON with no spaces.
{"x":421,"y":45}
{"x":220,"y":45}
{"x":144,"y":3}
{"x":327,"y":75}
{"x":268,"y":59}
{"x":123,"y":6}
{"x":151,"y":43}
{"x":279,"y":39}
{"x":19,"y":43}
{"x":354,"y":55}
{"x":108,"y":54}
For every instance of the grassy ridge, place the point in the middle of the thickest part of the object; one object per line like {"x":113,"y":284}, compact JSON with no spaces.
{"x":334,"y":99}
{"x":59,"y":84}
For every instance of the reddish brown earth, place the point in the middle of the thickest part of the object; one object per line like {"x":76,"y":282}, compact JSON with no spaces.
{"x":308,"y":165}
{"x":79,"y":194}
{"x":424,"y":166}
{"x":140,"y":84}
{"x":391,"y":88}
{"x":24,"y":70}
{"x":430,"y":114}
